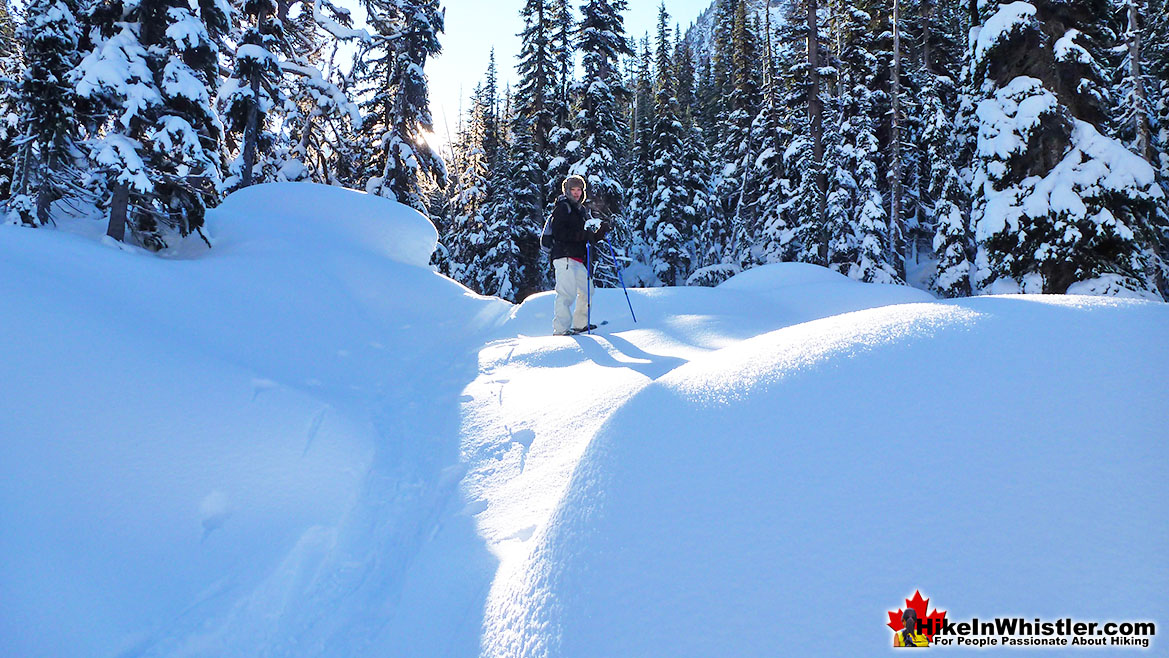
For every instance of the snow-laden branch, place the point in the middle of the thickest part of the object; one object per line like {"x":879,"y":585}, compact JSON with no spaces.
{"x":336,"y":29}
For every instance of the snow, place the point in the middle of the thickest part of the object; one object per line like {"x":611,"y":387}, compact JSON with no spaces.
{"x":771,"y":478}
{"x":258,"y":54}
{"x":1067,"y":50}
{"x":336,"y":29}
{"x":305,"y":442}
{"x":1008,"y":19}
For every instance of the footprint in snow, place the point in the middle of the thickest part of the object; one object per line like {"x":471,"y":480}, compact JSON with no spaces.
{"x":524,"y":534}
{"x":214,"y":510}
{"x":524,"y":437}
{"x":475,"y":507}
{"x":259,"y":385}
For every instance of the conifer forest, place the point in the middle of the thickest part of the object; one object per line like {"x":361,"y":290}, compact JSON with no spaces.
{"x":965,"y":147}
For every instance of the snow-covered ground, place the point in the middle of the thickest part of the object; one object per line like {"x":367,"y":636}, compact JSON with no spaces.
{"x":303,"y":442}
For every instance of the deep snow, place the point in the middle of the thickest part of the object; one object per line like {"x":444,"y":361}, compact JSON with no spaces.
{"x":304,"y":442}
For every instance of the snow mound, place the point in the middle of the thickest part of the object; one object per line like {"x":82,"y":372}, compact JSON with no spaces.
{"x":797,"y":474}
{"x":184,"y":440}
{"x":321,"y":217}
{"x":778,"y":275}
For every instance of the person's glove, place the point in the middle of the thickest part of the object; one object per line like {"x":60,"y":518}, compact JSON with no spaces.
{"x":602,"y":230}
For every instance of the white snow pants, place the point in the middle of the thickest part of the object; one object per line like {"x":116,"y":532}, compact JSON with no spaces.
{"x":572,"y":284}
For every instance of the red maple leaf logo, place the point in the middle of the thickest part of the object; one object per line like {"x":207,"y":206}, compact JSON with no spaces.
{"x":931,"y":623}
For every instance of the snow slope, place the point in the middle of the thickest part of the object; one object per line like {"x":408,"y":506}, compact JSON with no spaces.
{"x":1003,"y":455}
{"x":180,"y":437}
{"x":303,"y":442}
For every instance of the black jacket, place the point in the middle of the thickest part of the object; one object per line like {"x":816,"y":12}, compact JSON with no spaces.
{"x":568,"y":229}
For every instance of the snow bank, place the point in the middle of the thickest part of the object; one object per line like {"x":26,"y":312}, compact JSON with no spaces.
{"x":1002,"y":455}
{"x":188,"y":441}
{"x":316,"y":218}
{"x":808,"y":292}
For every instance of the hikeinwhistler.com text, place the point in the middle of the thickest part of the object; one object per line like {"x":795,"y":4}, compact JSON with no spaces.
{"x":1019,"y":632}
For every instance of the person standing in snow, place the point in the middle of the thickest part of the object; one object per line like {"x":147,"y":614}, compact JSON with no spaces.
{"x":569,"y":249}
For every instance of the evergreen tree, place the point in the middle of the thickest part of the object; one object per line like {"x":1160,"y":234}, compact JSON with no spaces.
{"x":696,"y":166}
{"x":742,"y":105}
{"x":803,"y":97}
{"x":390,"y":71}
{"x":1058,"y":206}
{"x":560,"y":136}
{"x":526,"y":211}
{"x":668,"y":225}
{"x":321,"y":123}
{"x":952,"y":244}
{"x":720,"y":73}
{"x":598,"y":130}
{"x":641,"y":125}
{"x":47,"y":102}
{"x":536,"y":68}
{"x":509,"y":265}
{"x":11,"y":70}
{"x":148,"y":79}
{"x":254,"y":89}
{"x":476,"y":192}
{"x":768,"y":238}
{"x":858,"y":230}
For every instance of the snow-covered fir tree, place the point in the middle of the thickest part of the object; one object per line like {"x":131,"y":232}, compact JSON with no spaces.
{"x":944,"y":198}
{"x":477,"y":156}
{"x":11,"y":66}
{"x":390,"y":72}
{"x":536,"y":69}
{"x":803,"y":94}
{"x":858,"y":225}
{"x":560,"y":136}
{"x":948,"y":210}
{"x":742,"y":104}
{"x":1057,"y":205}
{"x":769,"y":235}
{"x":598,"y":127}
{"x":696,"y":166}
{"x":669,"y":221}
{"x":510,"y":265}
{"x":254,"y":89}
{"x":320,"y":118}
{"x":641,"y":124}
{"x":47,"y":101}
{"x":150,"y":76}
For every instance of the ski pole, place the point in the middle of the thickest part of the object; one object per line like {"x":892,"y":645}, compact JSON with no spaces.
{"x":620,"y":277}
{"x":589,"y":289}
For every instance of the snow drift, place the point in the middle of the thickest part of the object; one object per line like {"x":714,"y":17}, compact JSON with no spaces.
{"x":1002,"y":455}
{"x":173,"y":430}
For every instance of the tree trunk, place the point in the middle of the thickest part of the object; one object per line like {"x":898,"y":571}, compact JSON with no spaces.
{"x":44,"y":196}
{"x":1138,"y":86}
{"x":896,"y":225}
{"x":541,"y":130}
{"x":815,"y":119}
{"x":118,"y":206}
{"x":252,"y":129}
{"x":927,"y":26}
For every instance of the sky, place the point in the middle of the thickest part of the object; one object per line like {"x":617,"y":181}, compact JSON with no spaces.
{"x":474,"y":27}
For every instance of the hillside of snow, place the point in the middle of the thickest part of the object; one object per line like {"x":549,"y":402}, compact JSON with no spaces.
{"x":304,"y":442}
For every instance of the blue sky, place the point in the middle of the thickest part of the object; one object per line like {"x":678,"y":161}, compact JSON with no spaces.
{"x":473,"y":27}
